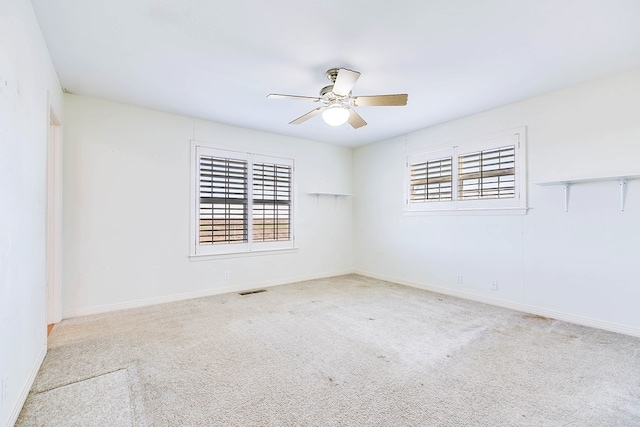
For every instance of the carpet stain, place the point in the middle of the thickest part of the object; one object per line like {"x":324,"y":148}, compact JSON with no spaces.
{"x":536,"y":317}
{"x":383,"y":357}
{"x":252,"y":292}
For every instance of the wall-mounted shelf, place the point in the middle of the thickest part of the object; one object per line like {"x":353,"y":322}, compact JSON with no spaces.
{"x":336,"y":195}
{"x":567,"y":183}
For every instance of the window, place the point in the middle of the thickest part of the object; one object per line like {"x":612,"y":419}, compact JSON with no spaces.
{"x":487,"y":174}
{"x":431,"y":180}
{"x":481,"y":175}
{"x":271,"y":202}
{"x":223,"y":201}
{"x":243,"y":202}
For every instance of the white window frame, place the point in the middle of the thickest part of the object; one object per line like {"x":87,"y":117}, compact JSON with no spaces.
{"x":203,"y":251}
{"x":501,"y":206}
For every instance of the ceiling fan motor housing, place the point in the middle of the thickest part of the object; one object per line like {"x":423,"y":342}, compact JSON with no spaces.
{"x":332,"y":74}
{"x":327,"y":90}
{"x":330,"y":98}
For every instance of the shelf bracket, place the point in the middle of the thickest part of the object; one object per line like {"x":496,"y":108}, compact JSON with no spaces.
{"x":623,"y":192}
{"x":566,"y":184}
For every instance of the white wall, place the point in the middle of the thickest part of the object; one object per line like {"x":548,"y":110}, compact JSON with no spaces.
{"x":581,"y":264}
{"x":26,"y":75}
{"x":126,"y":209}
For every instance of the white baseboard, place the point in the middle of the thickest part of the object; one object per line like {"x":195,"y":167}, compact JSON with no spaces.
{"x":540,"y":311}
{"x":580,"y":320}
{"x":197,"y":294}
{"x":15,"y":413}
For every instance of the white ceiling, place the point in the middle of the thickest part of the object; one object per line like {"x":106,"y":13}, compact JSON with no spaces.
{"x":217,"y":60}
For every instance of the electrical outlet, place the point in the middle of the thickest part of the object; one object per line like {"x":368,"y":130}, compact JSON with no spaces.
{"x":459,"y":278}
{"x":494,"y":285}
{"x":227,"y":275}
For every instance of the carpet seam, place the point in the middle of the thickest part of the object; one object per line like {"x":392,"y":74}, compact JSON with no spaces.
{"x":79,"y":381}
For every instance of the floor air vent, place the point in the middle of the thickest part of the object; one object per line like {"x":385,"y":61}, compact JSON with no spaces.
{"x":252,"y":292}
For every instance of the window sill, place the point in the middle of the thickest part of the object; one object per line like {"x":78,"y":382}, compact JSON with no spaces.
{"x":209,"y":257}
{"x":479,"y":211}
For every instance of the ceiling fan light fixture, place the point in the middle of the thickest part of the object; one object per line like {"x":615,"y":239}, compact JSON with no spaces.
{"x":335,"y":115}
{"x":338,"y":102}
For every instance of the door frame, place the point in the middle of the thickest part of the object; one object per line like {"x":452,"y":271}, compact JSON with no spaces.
{"x":53,"y":285}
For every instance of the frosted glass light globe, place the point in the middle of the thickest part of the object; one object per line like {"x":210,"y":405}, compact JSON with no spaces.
{"x":335,"y":115}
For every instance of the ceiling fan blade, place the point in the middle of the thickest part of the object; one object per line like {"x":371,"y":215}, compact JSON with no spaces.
{"x":355,"y":120}
{"x":380,"y":100}
{"x":345,"y":81}
{"x":307,"y":116}
{"x":300,"y":98}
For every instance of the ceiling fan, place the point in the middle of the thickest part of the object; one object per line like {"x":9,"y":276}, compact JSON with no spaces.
{"x":338,"y":101}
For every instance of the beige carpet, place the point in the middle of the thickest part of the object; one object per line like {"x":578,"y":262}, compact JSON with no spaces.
{"x":100,"y":401}
{"x":345,"y":351}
